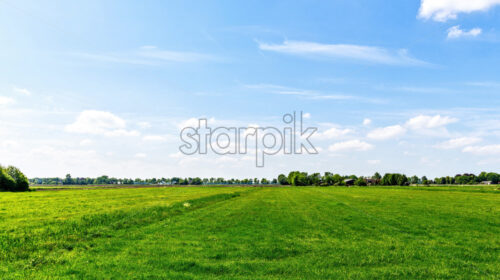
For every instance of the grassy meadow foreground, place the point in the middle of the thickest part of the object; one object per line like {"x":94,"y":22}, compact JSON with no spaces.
{"x":251,"y":233}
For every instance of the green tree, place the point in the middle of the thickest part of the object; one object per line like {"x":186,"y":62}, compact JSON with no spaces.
{"x":301,"y":179}
{"x":360,"y":182}
{"x":68,"y":180}
{"x":493,"y":177}
{"x":296,"y":178}
{"x":7,"y":183}
{"x":21,"y":182}
{"x":402,"y":180}
{"x":425,"y":181}
{"x":394,"y":179}
{"x":196,"y":181}
{"x":283,"y":180}
{"x":414,"y":180}
{"x":314,"y":179}
{"x":338,"y":180}
{"x":388,"y":180}
{"x":291,"y":177}
{"x":328,"y":179}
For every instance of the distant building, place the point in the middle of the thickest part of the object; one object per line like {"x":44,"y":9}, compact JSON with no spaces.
{"x":371,"y":181}
{"x":349,"y":182}
{"x":486,"y":183}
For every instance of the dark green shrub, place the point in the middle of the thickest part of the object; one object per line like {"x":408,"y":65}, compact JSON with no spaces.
{"x":12,"y":179}
{"x":360,"y":182}
{"x":7,"y":183}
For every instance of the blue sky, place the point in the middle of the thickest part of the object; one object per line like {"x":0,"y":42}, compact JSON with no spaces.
{"x":103,"y":87}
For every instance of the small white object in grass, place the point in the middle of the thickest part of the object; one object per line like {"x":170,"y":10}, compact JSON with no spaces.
{"x":186,"y":204}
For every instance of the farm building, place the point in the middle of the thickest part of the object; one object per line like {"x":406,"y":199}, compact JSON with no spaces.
{"x":349,"y":182}
{"x":371,"y":181}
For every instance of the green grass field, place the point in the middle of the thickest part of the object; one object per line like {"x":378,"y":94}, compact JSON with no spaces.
{"x":252,"y":233}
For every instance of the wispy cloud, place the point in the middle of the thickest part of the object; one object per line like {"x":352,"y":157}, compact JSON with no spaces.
{"x":422,"y":124}
{"x":416,"y":89}
{"x":483,"y":150}
{"x":6,"y":100}
{"x":309,"y":94}
{"x":455,"y":32}
{"x":140,"y":155}
{"x":388,"y":132}
{"x":333,"y":133}
{"x":148,"y":55}
{"x":22,"y":91}
{"x":282,"y":90}
{"x":429,"y":122}
{"x":483,"y":84}
{"x":352,"y":145}
{"x":458,"y":143}
{"x":100,"y":123}
{"x":444,"y":10}
{"x":152,"y":52}
{"x":370,"y":54}
{"x":158,"y":138}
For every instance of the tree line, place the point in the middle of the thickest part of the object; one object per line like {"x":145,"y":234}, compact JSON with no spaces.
{"x":104,"y":180}
{"x":297,"y":178}
{"x":294,"y":178}
{"x":13,"y":180}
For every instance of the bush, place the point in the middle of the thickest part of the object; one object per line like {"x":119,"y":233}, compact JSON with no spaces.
{"x":12,"y":179}
{"x":360,"y":182}
{"x":7,"y":183}
{"x":283,"y":180}
{"x":394,"y":180}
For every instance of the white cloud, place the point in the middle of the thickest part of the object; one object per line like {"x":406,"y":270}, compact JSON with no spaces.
{"x":177,"y":155}
{"x":367,"y":122}
{"x":193,"y":122}
{"x":483,"y":150}
{"x":310,"y":94}
{"x":63,"y":155}
{"x":373,"y":161}
{"x":100,"y":123}
{"x":144,"y":124}
{"x":250,"y":130}
{"x":458,"y":142}
{"x":226,"y":159}
{"x":307,"y":115}
{"x":6,"y":100}
{"x":352,"y":145}
{"x":333,"y":133}
{"x":22,"y":91}
{"x":455,"y":32}
{"x":387,"y":132}
{"x":86,"y":142}
{"x":414,"y":89}
{"x":483,"y":84}
{"x":9,"y":144}
{"x":176,"y":56}
{"x":148,"y":55}
{"x":443,"y":10}
{"x":157,"y":138}
{"x":346,"y":51}
{"x":430,"y":125}
{"x":140,"y":155}
{"x":428,"y":122}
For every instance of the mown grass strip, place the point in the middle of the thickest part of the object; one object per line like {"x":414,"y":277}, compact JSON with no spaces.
{"x":31,"y":248}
